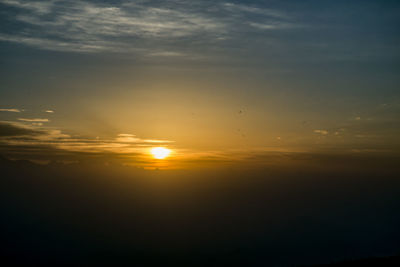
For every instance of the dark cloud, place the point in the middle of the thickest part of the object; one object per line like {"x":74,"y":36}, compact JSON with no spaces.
{"x":14,"y":129}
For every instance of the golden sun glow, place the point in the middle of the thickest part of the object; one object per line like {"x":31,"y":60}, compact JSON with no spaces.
{"x":160,"y":152}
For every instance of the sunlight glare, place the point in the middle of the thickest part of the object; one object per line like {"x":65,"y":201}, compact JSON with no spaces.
{"x":160,"y":152}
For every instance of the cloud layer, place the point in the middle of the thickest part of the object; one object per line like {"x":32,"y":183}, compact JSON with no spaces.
{"x":86,"y":26}
{"x":34,"y":120}
{"x":25,"y":138}
{"x":10,"y":110}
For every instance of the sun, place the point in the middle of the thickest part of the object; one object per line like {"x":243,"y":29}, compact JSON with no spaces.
{"x":160,"y":152}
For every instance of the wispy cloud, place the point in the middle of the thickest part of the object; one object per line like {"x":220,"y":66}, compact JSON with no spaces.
{"x":18,"y":140}
{"x":131,"y":138}
{"x":33,"y":120}
{"x":83,"y":26}
{"x":167,"y":54}
{"x":273,"y":25}
{"x":28,"y":137}
{"x":255,"y":10}
{"x":323,"y":132}
{"x":40,"y":7}
{"x":10,"y":110}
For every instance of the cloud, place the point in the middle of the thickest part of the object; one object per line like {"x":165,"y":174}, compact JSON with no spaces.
{"x":10,"y":110}
{"x":130,"y":138}
{"x":167,"y":54}
{"x":20,"y":139}
{"x":261,"y":18}
{"x":323,"y":132}
{"x":273,"y":25}
{"x":33,"y":120}
{"x":89,"y":27}
{"x":127,"y":138}
{"x":39,"y":7}
{"x":149,"y":28}
{"x":16,"y":129}
{"x":49,"y":111}
{"x":255,"y":10}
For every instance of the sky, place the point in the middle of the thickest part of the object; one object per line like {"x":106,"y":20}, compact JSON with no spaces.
{"x":216,"y":82}
{"x":282,"y":120}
